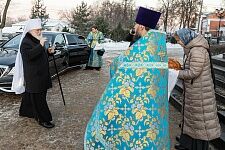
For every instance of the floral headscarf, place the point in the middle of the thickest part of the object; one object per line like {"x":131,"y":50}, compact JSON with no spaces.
{"x":186,"y":35}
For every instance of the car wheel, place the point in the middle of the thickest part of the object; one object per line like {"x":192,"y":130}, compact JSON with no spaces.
{"x":83,"y":66}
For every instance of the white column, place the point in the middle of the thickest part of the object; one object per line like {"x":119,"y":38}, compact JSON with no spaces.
{"x":208,"y":26}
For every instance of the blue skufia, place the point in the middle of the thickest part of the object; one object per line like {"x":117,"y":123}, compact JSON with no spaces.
{"x":148,"y":18}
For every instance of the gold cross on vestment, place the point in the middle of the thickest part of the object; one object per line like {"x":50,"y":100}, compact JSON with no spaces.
{"x":162,"y":54}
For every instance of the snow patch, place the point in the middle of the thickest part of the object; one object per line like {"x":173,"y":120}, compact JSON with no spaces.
{"x":114,"y":49}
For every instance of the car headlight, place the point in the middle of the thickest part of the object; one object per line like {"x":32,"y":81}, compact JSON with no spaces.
{"x":11,"y":72}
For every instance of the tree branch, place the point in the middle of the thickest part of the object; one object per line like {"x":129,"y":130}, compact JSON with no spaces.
{"x":2,"y":25}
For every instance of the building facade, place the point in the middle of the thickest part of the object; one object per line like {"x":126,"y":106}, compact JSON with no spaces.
{"x":213,"y":25}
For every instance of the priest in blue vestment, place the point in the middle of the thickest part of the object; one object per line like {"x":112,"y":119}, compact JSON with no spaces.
{"x":132,"y":113}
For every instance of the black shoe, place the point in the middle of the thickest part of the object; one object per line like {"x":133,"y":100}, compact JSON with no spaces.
{"x":178,"y":138}
{"x":88,"y":68}
{"x":179,"y":147}
{"x":47,"y":124}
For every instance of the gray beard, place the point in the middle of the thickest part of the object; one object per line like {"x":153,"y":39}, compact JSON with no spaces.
{"x":36,"y":36}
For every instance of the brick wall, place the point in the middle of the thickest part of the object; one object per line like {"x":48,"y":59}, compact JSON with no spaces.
{"x":214,"y":24}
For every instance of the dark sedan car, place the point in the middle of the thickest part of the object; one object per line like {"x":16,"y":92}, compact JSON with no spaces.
{"x":71,"y":49}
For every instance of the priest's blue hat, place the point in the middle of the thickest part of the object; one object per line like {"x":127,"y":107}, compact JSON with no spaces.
{"x":147,"y":17}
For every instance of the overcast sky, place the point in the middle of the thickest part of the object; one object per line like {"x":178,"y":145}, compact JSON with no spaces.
{"x":21,"y":8}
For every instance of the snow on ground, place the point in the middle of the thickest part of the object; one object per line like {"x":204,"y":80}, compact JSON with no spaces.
{"x":219,"y":56}
{"x":114,"y":49}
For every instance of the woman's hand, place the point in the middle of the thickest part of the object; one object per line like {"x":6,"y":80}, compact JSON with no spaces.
{"x":174,"y":64}
{"x":109,"y":62}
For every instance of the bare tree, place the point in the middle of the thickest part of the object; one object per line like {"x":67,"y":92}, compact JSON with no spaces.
{"x":182,"y":13}
{"x":10,"y":21}
{"x":128,"y":11}
{"x":188,"y":10}
{"x":3,"y":18}
{"x":167,"y":9}
{"x":66,"y":15}
{"x":113,"y":12}
{"x":117,"y":12}
{"x":22,"y":18}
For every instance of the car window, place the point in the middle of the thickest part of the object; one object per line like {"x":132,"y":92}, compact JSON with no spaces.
{"x":13,"y":43}
{"x":60,"y":39}
{"x":74,"y":39}
{"x":81,"y":40}
{"x":49,"y":37}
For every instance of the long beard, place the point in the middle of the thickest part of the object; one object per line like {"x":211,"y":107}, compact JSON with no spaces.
{"x":137,"y":34}
{"x":37,"y":36}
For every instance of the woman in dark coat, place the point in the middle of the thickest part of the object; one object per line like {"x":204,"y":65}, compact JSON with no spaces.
{"x":36,"y":75}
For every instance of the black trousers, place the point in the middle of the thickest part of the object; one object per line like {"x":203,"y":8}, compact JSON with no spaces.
{"x":193,"y":144}
{"x":34,"y":105}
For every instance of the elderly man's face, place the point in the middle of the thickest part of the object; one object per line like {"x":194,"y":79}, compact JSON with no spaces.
{"x":36,"y":32}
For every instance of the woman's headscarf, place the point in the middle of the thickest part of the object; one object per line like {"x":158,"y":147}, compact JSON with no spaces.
{"x":18,"y":77}
{"x":186,"y":35}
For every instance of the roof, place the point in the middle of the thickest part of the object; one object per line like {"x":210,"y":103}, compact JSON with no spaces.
{"x":55,"y":32}
{"x":53,"y":22}
{"x":13,"y":29}
{"x":49,"y":23}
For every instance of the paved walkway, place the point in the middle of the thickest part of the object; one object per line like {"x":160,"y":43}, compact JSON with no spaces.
{"x":82,"y":89}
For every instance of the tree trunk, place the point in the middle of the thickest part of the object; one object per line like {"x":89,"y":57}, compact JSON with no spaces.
{"x":0,"y":34}
{"x":2,"y":25}
{"x":190,"y":13}
{"x":182,"y":14}
{"x":166,"y":20}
